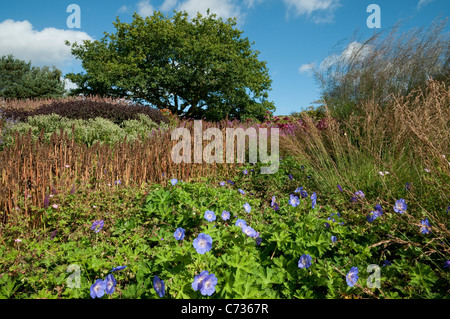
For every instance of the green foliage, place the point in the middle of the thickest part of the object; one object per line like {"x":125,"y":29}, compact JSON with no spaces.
{"x":197,"y":68}
{"x":18,"y":80}
{"x":138,"y":232}
{"x":87,"y":132}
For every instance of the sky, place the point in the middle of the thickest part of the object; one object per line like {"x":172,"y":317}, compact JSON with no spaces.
{"x":290,"y":35}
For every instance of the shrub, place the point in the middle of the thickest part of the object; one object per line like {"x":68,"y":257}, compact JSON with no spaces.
{"x":84,"y":131}
{"x":117,"y":111}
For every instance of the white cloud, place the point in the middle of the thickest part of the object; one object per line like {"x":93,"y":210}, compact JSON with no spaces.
{"x":321,"y":11}
{"x":306,"y":68}
{"x":46,"y":47}
{"x":123,"y":9}
{"x":423,"y":3}
{"x":252,"y":3}
{"x":168,"y":5}
{"x":354,"y":50}
{"x":145,"y":9}
{"x":69,"y":84}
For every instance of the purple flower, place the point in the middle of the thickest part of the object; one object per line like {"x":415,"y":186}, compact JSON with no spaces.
{"x":110,"y":282}
{"x":400,"y":206}
{"x":208,"y":285}
{"x":314,"y":200}
{"x":118,"y":268}
{"x":290,"y":177}
{"x":179,"y":233}
{"x":222,"y":183}
{"x":203,"y":243}
{"x":447,"y":264}
{"x":231,"y":182}
{"x":205,"y":282}
{"x":379,"y":208}
{"x":210,"y":215}
{"x":387,"y":263}
{"x":294,"y":201}
{"x":118,"y":182}
{"x":174,"y":181}
{"x":425,"y":228}
{"x":333,"y":239}
{"x":304,"y":261}
{"x":352,"y":276}
{"x":357,"y":195}
{"x":249,"y":231}
{"x":339,"y":187}
{"x":97,"y":225}
{"x":198,"y":280}
{"x":258,"y":241}
{"x":245,"y":172}
{"x":225,"y":215}
{"x":373,"y":215}
{"x":241,"y":191}
{"x":98,"y":289}
{"x":275,"y":207}
{"x":158,"y":285}
{"x":241,"y":223}
{"x":247,"y":207}
{"x":408,"y":186}
{"x":273,"y":201}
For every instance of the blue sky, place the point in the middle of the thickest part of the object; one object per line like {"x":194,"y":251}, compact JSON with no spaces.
{"x":290,"y":34}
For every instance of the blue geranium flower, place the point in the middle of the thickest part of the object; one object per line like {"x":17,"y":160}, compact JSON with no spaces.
{"x":357,"y":195}
{"x":400,"y":206}
{"x":333,"y":239}
{"x":247,"y":207}
{"x":294,"y":201}
{"x":387,"y":263}
{"x":222,"y":183}
{"x":210,"y":215}
{"x":426,"y":227}
{"x":208,"y":285}
{"x":304,"y":261}
{"x":225,"y":215}
{"x":97,"y":225}
{"x":110,"y":282}
{"x":174,"y":181}
{"x":241,"y":191}
{"x":249,"y":231}
{"x":352,"y":276}
{"x":179,"y":233}
{"x":313,"y":200}
{"x":98,"y":289}
{"x":203,"y":243}
{"x":198,"y":280}
{"x":118,"y":268}
{"x":373,"y":215}
{"x":241,"y":223}
{"x":158,"y":285}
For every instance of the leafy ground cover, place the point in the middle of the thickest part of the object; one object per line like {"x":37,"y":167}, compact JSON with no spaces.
{"x":224,"y":239}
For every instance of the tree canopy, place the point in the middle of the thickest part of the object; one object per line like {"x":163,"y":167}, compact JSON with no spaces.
{"x":19,"y":80}
{"x":196,"y":68}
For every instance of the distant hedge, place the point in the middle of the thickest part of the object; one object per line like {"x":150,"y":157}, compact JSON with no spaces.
{"x":85,"y":109}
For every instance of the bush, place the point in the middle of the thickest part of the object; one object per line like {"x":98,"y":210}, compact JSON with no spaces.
{"x":85,"y":131}
{"x":89,"y":108}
